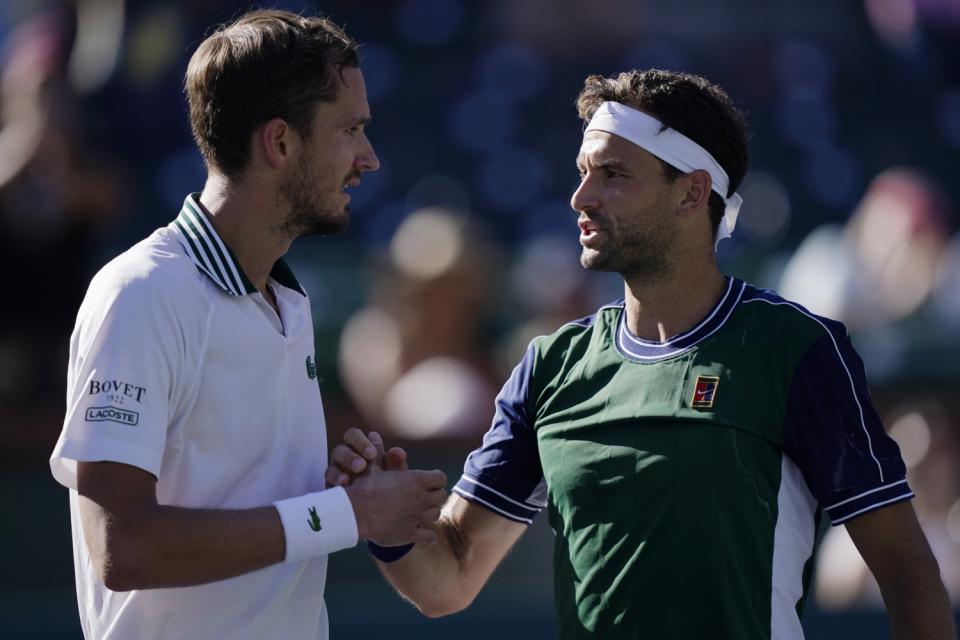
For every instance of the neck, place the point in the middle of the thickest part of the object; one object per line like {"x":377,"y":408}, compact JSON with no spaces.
{"x":243,"y":217}
{"x":674,"y":303}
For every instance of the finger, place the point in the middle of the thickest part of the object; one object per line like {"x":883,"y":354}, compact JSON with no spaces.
{"x":346,"y":460}
{"x":377,"y":441}
{"x":425,"y":536}
{"x":430,"y":515}
{"x":435,"y":498}
{"x":330,"y":476}
{"x":396,"y":459}
{"x":356,"y":440}
{"x":431,"y":479}
{"x":335,"y":477}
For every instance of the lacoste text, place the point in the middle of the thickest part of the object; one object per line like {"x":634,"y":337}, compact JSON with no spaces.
{"x":112,"y":414}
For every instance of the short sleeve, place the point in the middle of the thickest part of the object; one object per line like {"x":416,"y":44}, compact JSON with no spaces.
{"x":504,"y":474}
{"x":834,"y":435}
{"x":127,"y":352}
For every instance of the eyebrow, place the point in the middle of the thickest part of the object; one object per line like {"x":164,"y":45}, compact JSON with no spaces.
{"x":358,"y":121}
{"x":603,"y":163}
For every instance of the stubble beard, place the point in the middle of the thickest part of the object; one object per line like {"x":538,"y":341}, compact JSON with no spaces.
{"x":641,"y":252}
{"x":309,"y":214}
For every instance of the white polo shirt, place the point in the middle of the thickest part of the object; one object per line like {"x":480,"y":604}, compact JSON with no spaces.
{"x":180,"y":367}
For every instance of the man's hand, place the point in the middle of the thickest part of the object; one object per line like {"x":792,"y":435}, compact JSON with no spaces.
{"x":352,"y":457}
{"x":393,"y":505}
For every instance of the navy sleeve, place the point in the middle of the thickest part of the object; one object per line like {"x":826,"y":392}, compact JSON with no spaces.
{"x":504,"y":474}
{"x":834,"y":435}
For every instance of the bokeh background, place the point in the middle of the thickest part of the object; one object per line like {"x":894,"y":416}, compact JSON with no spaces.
{"x":462,"y":247}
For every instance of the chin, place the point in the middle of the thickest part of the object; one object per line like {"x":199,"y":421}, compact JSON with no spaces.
{"x":593,"y":260}
{"x":328,"y":227}
{"x":320,"y":223}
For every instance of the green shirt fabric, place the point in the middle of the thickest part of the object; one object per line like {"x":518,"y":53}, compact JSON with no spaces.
{"x":685,"y":480}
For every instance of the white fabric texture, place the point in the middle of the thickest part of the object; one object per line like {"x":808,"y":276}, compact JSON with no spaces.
{"x":672,"y":147}
{"x":213,"y":394}
{"x":793,"y":540}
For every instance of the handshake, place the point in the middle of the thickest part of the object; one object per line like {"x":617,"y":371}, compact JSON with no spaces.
{"x":393,"y":504}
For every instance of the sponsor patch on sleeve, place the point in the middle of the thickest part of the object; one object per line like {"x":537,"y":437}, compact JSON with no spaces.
{"x":112,"y":414}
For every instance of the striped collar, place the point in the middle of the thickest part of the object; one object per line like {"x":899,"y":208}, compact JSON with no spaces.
{"x":213,"y":257}
{"x":648,"y":350}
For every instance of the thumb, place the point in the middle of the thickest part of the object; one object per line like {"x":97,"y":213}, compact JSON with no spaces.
{"x":431,"y":479}
{"x":396,"y":459}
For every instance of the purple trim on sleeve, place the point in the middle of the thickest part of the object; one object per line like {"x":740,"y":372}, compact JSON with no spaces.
{"x":504,"y":474}
{"x":834,"y":435}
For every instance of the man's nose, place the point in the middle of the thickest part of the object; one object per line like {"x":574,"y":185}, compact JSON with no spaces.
{"x":586,"y":196}
{"x":368,"y":160}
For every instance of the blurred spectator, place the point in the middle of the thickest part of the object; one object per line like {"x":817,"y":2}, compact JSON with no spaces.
{"x":881,"y":266}
{"x":551,"y":289}
{"x":927,"y":435}
{"x":55,"y":192}
{"x":415,"y":360}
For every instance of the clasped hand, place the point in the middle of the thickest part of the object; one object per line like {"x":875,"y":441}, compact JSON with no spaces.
{"x":394,"y":505}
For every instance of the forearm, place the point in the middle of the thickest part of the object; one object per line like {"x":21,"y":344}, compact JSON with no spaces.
{"x":896,"y":550}
{"x":136,"y":543}
{"x":166,"y":546}
{"x":919,"y":608}
{"x":445,"y":577}
{"x":434,"y":577}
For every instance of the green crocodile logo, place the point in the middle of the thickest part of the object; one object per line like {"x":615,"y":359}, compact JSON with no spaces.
{"x":314,"y":520}
{"x":311,"y":368}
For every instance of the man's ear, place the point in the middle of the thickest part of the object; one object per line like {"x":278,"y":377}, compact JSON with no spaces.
{"x":273,"y":141}
{"x":696,"y":195}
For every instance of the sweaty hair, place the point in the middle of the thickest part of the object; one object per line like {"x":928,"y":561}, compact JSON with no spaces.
{"x":267,"y":64}
{"x":690,"y":104}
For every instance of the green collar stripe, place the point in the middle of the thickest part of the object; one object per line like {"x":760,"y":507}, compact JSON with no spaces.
{"x":221,"y":254}
{"x":207,"y":250}
{"x":197,"y":222}
{"x":281,"y":273}
{"x":206,"y":254}
{"x":193,"y":252}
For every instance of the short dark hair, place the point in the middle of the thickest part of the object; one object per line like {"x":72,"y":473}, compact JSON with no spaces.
{"x":266,"y":64}
{"x":690,"y":104}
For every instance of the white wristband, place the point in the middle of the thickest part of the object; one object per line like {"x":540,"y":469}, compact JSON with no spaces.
{"x":317,"y":524}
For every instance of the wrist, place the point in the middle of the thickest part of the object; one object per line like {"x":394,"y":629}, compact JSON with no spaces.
{"x":357,"y":497}
{"x":317,"y":524}
{"x":388,"y":554}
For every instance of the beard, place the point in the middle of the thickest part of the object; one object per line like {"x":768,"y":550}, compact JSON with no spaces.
{"x":310,"y":214}
{"x":641,"y":250}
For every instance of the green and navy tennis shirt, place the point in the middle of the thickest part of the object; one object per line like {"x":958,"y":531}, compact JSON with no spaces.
{"x":685,"y":480}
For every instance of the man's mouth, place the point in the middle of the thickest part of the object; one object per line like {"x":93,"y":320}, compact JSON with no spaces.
{"x":588,"y":227}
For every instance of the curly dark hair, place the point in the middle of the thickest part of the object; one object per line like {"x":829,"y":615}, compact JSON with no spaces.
{"x":690,"y":104}
{"x":267,"y":64}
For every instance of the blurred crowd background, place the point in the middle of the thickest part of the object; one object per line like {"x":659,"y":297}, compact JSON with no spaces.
{"x":463,"y":247}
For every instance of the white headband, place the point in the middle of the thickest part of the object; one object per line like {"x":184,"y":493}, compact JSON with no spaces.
{"x":672,"y":147}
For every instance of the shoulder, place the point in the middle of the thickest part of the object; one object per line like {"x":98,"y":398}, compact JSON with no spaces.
{"x":767,"y":312}
{"x":580,"y":330}
{"x":153,"y":276}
